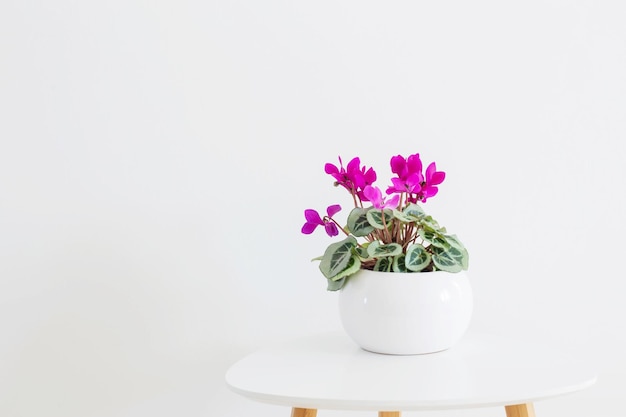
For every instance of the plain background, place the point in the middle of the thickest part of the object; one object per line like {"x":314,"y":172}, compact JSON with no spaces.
{"x":156,"y":158}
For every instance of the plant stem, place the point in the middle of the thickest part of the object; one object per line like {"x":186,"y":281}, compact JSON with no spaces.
{"x":338,"y":225}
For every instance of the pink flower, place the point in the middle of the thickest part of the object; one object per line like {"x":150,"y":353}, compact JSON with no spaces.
{"x":313,"y":220}
{"x":353,"y":178}
{"x":433,"y":178}
{"x":375,"y":196}
{"x":410,"y":179}
{"x":409,"y":174}
{"x":411,"y":185}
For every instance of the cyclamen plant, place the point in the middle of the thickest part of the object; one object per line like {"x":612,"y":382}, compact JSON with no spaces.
{"x":390,"y":233}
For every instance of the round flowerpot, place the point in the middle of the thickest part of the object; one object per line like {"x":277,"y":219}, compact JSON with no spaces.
{"x":406,"y":313}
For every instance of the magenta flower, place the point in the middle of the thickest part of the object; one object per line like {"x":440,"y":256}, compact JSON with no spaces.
{"x":403,"y":168}
{"x":410,"y":179}
{"x":313,"y":219}
{"x":409,"y":174}
{"x":412,"y":185}
{"x":375,"y":196}
{"x":433,"y":178}
{"x":353,"y":178}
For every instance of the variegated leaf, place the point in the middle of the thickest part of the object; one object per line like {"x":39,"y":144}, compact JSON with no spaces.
{"x":376,"y":250}
{"x":358,"y":224}
{"x":428,"y":221}
{"x":434,"y":237}
{"x":453,"y":240}
{"x":414,"y":211}
{"x":417,"y":258}
{"x":337,"y":256}
{"x":402,"y":217}
{"x":449,"y":260}
{"x":335,"y":285}
{"x":383,"y":265}
{"x":353,"y":266}
{"x":379,"y":219}
{"x":399,"y":264}
{"x":361,"y":252}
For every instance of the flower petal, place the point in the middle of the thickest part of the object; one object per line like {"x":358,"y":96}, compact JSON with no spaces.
{"x":370,"y":176}
{"x":332,"y":210}
{"x":373,"y":194}
{"x":414,"y":164}
{"x":397,"y":164}
{"x":438,"y":178}
{"x":398,"y":185}
{"x":414,"y":181}
{"x":434,"y":177}
{"x":430,"y":191}
{"x":354,"y":164}
{"x":309,"y":228}
{"x":331,"y":229}
{"x":331,"y":169}
{"x":313,"y":216}
{"x":393,"y":201}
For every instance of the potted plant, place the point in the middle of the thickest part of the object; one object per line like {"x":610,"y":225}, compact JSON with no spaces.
{"x":401,"y":277}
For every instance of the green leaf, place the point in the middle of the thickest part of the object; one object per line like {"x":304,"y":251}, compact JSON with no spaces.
{"x":433,"y":237}
{"x":383,"y":265}
{"x":376,"y":250}
{"x":457,"y":251}
{"x":353,"y":266}
{"x":337,"y":256}
{"x":358,"y":224}
{"x":375,"y":218}
{"x":361,"y":251}
{"x":414,"y":211}
{"x":450,"y":260}
{"x":465,"y":260}
{"x":428,"y":221}
{"x":411,"y":213}
{"x":399,"y":264}
{"x":335,"y":285}
{"x":417,"y":258}
{"x":464,"y":255}
{"x":453,"y":240}
{"x":402,"y":217}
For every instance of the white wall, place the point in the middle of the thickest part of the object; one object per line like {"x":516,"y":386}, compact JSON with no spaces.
{"x":156,"y":157}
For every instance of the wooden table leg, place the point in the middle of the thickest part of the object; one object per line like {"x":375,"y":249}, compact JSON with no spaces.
{"x":303,"y":412}
{"x":388,"y":414}
{"x":520,"y":410}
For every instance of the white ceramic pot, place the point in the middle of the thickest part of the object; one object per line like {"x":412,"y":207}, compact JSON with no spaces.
{"x":406,"y":313}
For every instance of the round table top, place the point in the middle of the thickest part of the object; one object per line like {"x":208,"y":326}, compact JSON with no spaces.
{"x":328,"y":371}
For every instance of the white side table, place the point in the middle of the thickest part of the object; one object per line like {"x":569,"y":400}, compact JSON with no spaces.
{"x":328,"y":371}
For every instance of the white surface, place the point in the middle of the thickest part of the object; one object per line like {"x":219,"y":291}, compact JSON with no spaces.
{"x":393,"y":313}
{"x":328,"y":371}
